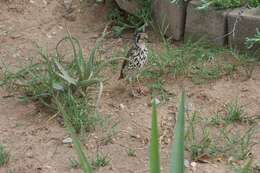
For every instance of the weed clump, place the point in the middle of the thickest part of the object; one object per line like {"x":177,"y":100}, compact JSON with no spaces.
{"x":52,"y":81}
{"x":138,"y":21}
{"x":4,"y":156}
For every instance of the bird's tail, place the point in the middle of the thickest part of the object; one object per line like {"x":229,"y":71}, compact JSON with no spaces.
{"x":122,"y":70}
{"x":121,"y":75}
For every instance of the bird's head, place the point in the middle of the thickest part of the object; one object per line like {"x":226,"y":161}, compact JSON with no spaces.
{"x":141,"y":38}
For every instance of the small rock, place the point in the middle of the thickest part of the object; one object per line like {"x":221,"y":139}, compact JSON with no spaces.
{"x":230,"y":160}
{"x":29,"y":154}
{"x":48,"y":35}
{"x":15,"y":36}
{"x":67,"y":140}
{"x":244,"y":89}
{"x":122,"y":106}
{"x":60,"y":27}
{"x":44,"y":2}
{"x":193,"y":164}
{"x":189,"y":107}
{"x":186,"y":163}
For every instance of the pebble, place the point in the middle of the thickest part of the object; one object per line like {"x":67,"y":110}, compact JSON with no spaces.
{"x":67,"y":140}
{"x":122,"y":106}
{"x":193,"y":164}
{"x":186,"y":163}
{"x":29,"y":154}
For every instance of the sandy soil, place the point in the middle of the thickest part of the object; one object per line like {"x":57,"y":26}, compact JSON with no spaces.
{"x":35,"y":144}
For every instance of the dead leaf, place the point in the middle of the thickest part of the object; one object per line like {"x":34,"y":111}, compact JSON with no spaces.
{"x":204,"y":158}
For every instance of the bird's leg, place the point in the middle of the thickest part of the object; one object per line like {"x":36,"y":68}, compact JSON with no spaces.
{"x":139,"y":84}
{"x":132,"y":88}
{"x":140,"y":88}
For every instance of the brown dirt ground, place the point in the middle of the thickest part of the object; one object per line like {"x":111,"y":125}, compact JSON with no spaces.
{"x":35,"y":144}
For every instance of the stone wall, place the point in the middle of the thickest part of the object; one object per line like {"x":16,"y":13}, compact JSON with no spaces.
{"x":185,"y":21}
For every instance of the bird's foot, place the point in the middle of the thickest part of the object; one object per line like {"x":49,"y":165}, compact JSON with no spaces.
{"x":134,"y":93}
{"x":139,"y":91}
{"x":142,"y":90}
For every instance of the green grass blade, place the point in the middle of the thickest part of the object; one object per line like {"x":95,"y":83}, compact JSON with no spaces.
{"x":154,"y":145}
{"x":84,"y":163}
{"x":177,"y":161}
{"x":85,"y":166}
{"x":247,"y":168}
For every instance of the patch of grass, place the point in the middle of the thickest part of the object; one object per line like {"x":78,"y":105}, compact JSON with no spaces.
{"x":158,"y":89}
{"x":250,"y":42}
{"x":44,"y":81}
{"x":4,"y":156}
{"x":198,"y":144}
{"x":204,"y":73}
{"x":247,"y":168}
{"x":10,"y":171}
{"x":216,"y":120}
{"x":235,"y":113}
{"x":100,"y":161}
{"x":227,"y":141}
{"x":80,"y":114}
{"x":238,"y":144}
{"x":138,"y":21}
{"x":131,"y":152}
{"x":66,"y":88}
{"x":198,"y":60}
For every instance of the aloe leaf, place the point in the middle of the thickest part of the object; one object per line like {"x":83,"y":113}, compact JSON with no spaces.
{"x":177,"y":160}
{"x":154,"y":145}
{"x":64,"y":74}
{"x":86,"y":83}
{"x":58,"y":86}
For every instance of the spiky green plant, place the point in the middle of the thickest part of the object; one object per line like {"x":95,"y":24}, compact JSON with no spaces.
{"x":251,"y":41}
{"x":154,"y":146}
{"x":177,"y":160}
{"x":100,"y":161}
{"x":137,"y":21}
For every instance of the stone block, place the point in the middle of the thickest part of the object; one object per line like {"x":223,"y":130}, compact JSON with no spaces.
{"x":130,"y":6}
{"x":210,"y":24}
{"x":246,"y":26}
{"x":169,"y":15}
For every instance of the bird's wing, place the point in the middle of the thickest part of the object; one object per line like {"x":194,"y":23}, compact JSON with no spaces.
{"x":130,"y":53}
